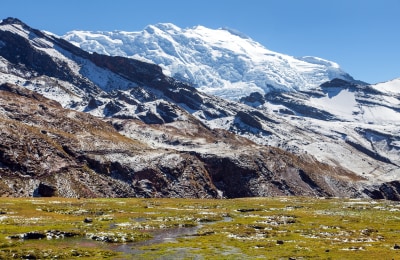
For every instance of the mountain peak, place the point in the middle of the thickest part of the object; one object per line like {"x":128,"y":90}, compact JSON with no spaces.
{"x":222,"y":62}
{"x":166,"y":26}
{"x":12,"y":20}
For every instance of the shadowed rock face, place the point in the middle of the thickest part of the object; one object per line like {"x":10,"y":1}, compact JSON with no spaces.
{"x":388,"y":190}
{"x":131,"y":69}
{"x":44,"y":190}
{"x":46,"y":150}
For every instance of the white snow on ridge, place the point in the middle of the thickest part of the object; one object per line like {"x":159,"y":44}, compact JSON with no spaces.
{"x":15,"y":28}
{"x":220,"y":62}
{"x":105,"y":79}
{"x":392,"y":86}
{"x":18,"y":29}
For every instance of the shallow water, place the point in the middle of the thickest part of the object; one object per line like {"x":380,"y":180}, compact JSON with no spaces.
{"x":158,"y":236}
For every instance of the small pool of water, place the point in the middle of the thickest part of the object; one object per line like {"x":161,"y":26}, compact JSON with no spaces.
{"x":158,"y":236}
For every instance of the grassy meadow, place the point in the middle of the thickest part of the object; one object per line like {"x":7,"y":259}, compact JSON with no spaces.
{"x":248,"y":228}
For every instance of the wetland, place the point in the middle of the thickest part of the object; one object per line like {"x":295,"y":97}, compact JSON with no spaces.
{"x":247,"y":228}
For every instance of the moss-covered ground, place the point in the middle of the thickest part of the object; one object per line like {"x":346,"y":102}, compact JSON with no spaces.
{"x":250,"y":228}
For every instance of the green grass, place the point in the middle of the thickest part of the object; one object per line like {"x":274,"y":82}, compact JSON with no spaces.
{"x":251,"y":228}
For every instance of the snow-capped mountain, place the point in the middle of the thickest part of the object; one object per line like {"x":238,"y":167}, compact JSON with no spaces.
{"x":324,"y":148}
{"x":221,"y":62}
{"x":310,"y":93}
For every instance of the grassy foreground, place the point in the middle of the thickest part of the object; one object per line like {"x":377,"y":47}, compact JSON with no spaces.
{"x":251,"y":228}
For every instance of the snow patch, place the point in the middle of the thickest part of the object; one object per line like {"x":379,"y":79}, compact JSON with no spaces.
{"x":380,"y":115}
{"x":343,"y":104}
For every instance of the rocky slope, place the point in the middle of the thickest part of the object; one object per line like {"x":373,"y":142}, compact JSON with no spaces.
{"x":47,"y":150}
{"x":188,"y":141}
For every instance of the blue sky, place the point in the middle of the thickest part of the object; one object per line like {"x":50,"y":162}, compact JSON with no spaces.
{"x":361,"y":35}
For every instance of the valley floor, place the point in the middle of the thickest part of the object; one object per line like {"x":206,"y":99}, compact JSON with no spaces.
{"x":248,"y":228}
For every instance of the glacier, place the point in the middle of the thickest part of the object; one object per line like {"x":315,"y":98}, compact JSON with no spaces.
{"x":220,"y":62}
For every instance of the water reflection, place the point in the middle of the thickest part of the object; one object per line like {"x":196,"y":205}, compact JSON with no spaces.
{"x":162,"y":236}
{"x":133,"y":248}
